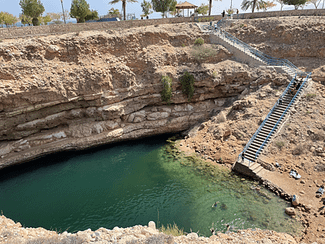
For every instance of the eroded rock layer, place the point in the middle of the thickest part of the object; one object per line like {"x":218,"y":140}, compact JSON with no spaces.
{"x":80,"y":90}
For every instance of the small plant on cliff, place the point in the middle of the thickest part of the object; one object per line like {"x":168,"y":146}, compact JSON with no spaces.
{"x":166,"y":93}
{"x":172,"y":230}
{"x":199,"y":41}
{"x":203,"y":52}
{"x":310,"y":95}
{"x":280,"y":144}
{"x":187,"y":81}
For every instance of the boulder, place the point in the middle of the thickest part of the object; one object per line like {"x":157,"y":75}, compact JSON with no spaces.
{"x":295,"y":201}
{"x":152,"y":225}
{"x":192,"y":236}
{"x":290,"y":211}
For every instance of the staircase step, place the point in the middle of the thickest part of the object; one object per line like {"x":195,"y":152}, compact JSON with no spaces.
{"x":277,"y":113}
{"x":256,"y":143}
{"x":258,"y":170}
{"x":279,"y":110}
{"x":268,"y":124}
{"x":266,"y":130}
{"x":260,"y":137}
{"x":254,"y":147}
{"x":264,"y":134}
{"x":281,"y":107}
{"x":250,"y":156}
{"x":254,"y":166}
{"x":272,"y":121}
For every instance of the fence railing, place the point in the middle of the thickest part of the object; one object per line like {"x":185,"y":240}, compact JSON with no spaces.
{"x":283,"y":114}
{"x":268,"y":60}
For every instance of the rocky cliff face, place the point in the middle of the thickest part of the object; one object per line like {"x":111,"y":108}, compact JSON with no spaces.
{"x":299,"y":39}
{"x":80,"y":90}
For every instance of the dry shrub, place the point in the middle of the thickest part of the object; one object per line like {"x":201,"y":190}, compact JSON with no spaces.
{"x":280,"y":144}
{"x":203,"y":52}
{"x":172,"y":230}
{"x":298,"y":150}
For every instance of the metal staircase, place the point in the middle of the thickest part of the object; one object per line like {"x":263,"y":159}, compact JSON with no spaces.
{"x":247,"y":159}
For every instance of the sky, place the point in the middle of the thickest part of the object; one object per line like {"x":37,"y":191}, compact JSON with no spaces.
{"x":102,"y":6}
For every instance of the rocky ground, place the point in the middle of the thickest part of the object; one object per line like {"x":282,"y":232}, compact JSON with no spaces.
{"x":300,"y":143}
{"x":117,"y":65}
{"x":14,"y":233}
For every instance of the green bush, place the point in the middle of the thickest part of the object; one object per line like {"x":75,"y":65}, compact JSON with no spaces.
{"x":311,"y":95}
{"x":166,"y":93}
{"x":280,"y":144}
{"x":201,"y":53}
{"x":187,"y":81}
{"x":199,"y":41}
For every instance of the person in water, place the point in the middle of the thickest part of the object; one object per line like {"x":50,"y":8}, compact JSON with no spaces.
{"x":215,"y":204}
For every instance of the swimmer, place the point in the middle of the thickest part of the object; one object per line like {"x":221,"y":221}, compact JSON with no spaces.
{"x":215,"y":204}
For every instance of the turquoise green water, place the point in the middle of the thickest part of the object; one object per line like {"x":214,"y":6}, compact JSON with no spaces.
{"x":129,"y":184}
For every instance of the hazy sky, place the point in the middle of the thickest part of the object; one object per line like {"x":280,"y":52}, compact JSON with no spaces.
{"x":102,"y":6}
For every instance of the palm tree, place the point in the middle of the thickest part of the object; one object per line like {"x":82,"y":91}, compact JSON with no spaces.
{"x":258,"y":4}
{"x":210,"y":5}
{"x":63,"y":11}
{"x":123,"y":5}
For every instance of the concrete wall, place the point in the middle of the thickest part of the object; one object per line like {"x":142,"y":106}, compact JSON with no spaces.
{"x":30,"y":31}
{"x":239,"y":55}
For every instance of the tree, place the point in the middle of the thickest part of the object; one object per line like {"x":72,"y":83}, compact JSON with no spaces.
{"x":56,"y":17}
{"x":114,"y":13}
{"x":268,"y":5}
{"x":146,"y":8}
{"x":1,"y":18}
{"x":210,"y":6}
{"x":25,"y":20}
{"x":79,"y":10}
{"x":46,"y":19}
{"x":295,"y":3}
{"x":123,"y":5}
{"x":7,"y":19}
{"x":258,"y":4}
{"x":65,"y":15}
{"x":93,"y":14}
{"x":176,"y":12}
{"x":203,"y":9}
{"x":314,"y":2}
{"x":164,"y":6}
{"x":33,"y":9}
{"x":281,"y":3}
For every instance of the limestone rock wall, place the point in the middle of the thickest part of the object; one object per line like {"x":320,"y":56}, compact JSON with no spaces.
{"x":285,"y":37}
{"x":76,"y":91}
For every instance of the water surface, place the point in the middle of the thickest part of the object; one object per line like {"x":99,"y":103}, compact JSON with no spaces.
{"x":131,"y":184}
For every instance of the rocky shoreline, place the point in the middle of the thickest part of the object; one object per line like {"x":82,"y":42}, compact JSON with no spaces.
{"x":14,"y":233}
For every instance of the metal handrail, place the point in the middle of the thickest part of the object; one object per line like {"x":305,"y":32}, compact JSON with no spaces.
{"x":269,"y":60}
{"x":284,"y":112}
{"x":263,"y":57}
